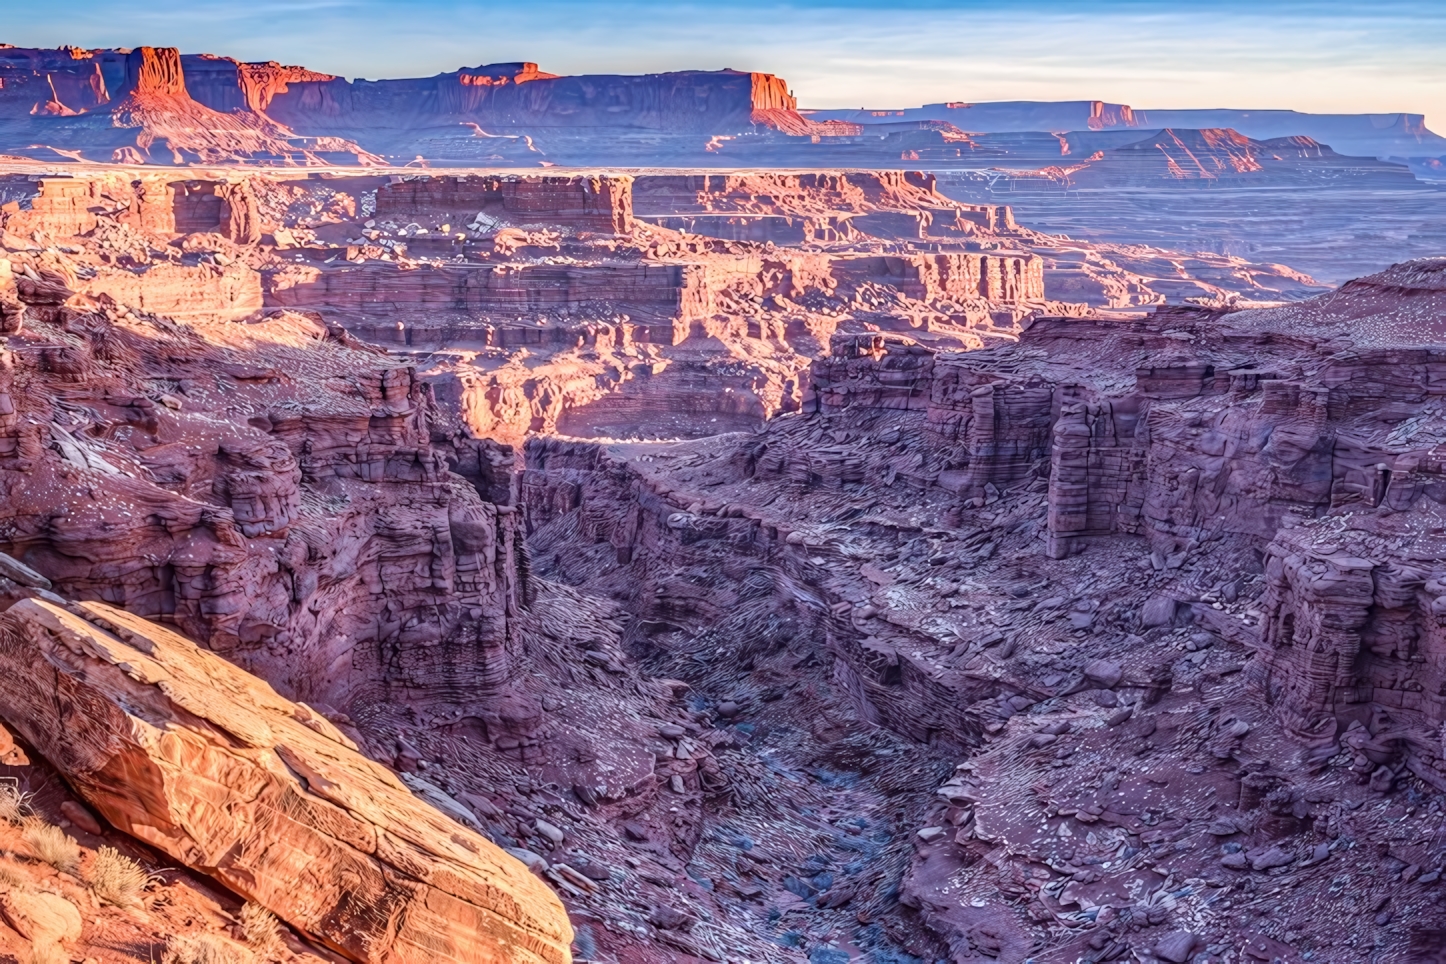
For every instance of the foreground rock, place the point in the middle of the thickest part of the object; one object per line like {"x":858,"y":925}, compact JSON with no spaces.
{"x":191,"y":755}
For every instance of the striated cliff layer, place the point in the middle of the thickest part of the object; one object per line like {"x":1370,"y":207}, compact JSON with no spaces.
{"x":271,"y":488}
{"x":1304,"y":433}
{"x":593,"y":304}
{"x":134,"y":107}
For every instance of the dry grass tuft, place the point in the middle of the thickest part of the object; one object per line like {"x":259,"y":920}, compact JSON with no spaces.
{"x":52,"y":845}
{"x":205,"y":949}
{"x":14,"y":805}
{"x":263,"y":932}
{"x":117,"y":879}
{"x":13,"y":878}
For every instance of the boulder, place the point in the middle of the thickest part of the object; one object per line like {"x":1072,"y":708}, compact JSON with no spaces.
{"x":1269,"y":859}
{"x":80,"y":817}
{"x":1104,"y":673}
{"x":1177,"y":946}
{"x":1158,"y":611}
{"x":41,"y":918}
{"x":186,"y":752}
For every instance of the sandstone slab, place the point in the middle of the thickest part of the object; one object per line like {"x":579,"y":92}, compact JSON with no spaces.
{"x":197,"y":758}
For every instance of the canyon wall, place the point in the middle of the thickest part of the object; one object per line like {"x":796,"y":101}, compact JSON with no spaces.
{"x":1167,"y":588}
{"x":314,"y":535}
{"x":1291,"y":434}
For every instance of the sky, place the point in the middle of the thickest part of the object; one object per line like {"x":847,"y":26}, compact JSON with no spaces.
{"x":1324,"y":56}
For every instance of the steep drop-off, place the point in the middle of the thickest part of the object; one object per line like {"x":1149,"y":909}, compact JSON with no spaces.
{"x":1163,"y":590}
{"x":1004,"y":633}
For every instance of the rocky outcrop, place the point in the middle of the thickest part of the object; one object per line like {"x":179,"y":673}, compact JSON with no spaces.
{"x":318,"y":537}
{"x":1295,"y":431}
{"x":182,"y":750}
{"x":598,"y":203}
{"x":1174,"y":158}
{"x":133,"y":106}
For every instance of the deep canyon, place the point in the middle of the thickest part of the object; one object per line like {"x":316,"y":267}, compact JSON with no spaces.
{"x":736,"y":541}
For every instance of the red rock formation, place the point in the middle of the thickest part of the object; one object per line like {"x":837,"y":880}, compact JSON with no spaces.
{"x":597,"y":203}
{"x":134,"y":107}
{"x":182,"y":750}
{"x":223,"y":84}
{"x":222,"y":495}
{"x":1224,"y":156}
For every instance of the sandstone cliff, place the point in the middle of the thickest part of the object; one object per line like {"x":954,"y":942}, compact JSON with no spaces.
{"x":134,"y":107}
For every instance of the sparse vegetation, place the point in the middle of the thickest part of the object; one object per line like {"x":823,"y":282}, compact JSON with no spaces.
{"x":14,"y":805}
{"x":263,"y":932}
{"x":117,"y":879}
{"x":205,"y":949}
{"x":52,"y":845}
{"x":13,"y":878}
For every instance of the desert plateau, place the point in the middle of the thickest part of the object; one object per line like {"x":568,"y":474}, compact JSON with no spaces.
{"x":514,"y":517}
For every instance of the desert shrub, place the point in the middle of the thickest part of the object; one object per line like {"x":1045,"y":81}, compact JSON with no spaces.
{"x":263,"y":932}
{"x":52,"y":845}
{"x":205,"y":949}
{"x":117,"y":879}
{"x":13,"y":878}
{"x":14,"y":805}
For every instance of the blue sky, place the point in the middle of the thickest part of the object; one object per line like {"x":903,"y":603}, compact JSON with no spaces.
{"x":1320,"y":56}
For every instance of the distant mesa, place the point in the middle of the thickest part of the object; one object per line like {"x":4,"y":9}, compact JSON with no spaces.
{"x":167,"y":108}
{"x":1370,"y":135}
{"x":154,"y":105}
{"x":1213,"y":157}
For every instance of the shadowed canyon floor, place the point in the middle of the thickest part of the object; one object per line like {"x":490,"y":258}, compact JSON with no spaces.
{"x":772,"y":566}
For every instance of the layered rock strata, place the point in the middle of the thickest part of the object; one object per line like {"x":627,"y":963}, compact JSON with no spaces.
{"x":271,"y":488}
{"x":546,"y":304}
